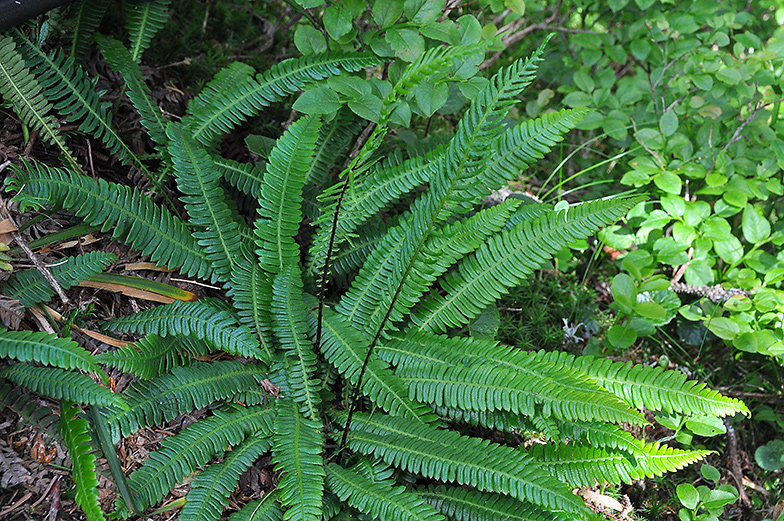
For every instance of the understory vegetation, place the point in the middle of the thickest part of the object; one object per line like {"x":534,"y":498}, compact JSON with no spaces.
{"x":397,"y":260}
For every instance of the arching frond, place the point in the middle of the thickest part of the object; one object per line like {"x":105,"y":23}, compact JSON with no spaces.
{"x":447,"y":456}
{"x":29,"y":346}
{"x":465,"y":504}
{"x":265,"y":509}
{"x":297,"y":448}
{"x":61,"y":384}
{"x":245,"y":177}
{"x":20,"y":88}
{"x":210,"y":491}
{"x":75,"y":433}
{"x":138,"y":92}
{"x":126,"y":212}
{"x":182,"y":454}
{"x":507,"y":258}
{"x":281,"y":195}
{"x":29,"y":408}
{"x":197,"y":319}
{"x":379,"y":500}
{"x":185,"y":389}
{"x":251,"y":292}
{"x":581,"y":465}
{"x":205,"y":200}
{"x":226,"y":78}
{"x":650,"y":387}
{"x":152,"y":355}
{"x":228,"y":108}
{"x":143,"y":20}
{"x":30,"y":287}
{"x":87,"y":17}
{"x":291,"y":329}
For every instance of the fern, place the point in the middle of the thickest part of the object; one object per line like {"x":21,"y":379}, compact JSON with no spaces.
{"x":193,"y":447}
{"x":74,"y":431}
{"x":30,"y":287}
{"x":266,"y":509}
{"x":143,"y":20}
{"x":87,"y":16}
{"x":251,"y":293}
{"x":195,"y":319}
{"x":62,"y":384}
{"x":472,"y":505}
{"x":29,"y":408}
{"x":28,"y":346}
{"x":210,"y":490}
{"x":152,"y":355}
{"x":244,"y":177}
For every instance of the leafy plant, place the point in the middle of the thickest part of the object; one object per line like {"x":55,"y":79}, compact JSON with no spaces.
{"x":368,"y":383}
{"x":704,"y":503}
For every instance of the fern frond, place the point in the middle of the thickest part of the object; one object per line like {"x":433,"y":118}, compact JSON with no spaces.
{"x":67,"y":86}
{"x":498,"y":420}
{"x":87,"y":17}
{"x":183,"y":453}
{"x":74,"y":431}
{"x":210,"y":491}
{"x":447,"y":456}
{"x":251,"y":293}
{"x":281,"y":195}
{"x":291,"y":328}
{"x":30,"y":287}
{"x":265,"y":509}
{"x":28,"y":346}
{"x":465,"y":504}
{"x":507,"y":258}
{"x":346,"y":349}
{"x":379,"y":500}
{"x":197,"y":319}
{"x":598,"y":435}
{"x":650,"y":387}
{"x":139,"y":93}
{"x":226,"y":78}
{"x":185,"y":389}
{"x":205,"y":200}
{"x":297,"y":448}
{"x":148,"y":357}
{"x":20,"y":88}
{"x":29,"y":408}
{"x":143,"y":20}
{"x":230,"y":107}
{"x":581,"y":465}
{"x":63,"y":385}
{"x":245,"y":177}
{"x":352,"y":255}
{"x":127,"y":212}
{"x":438,"y":368}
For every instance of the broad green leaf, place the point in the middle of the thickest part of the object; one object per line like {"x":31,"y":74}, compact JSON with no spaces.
{"x":320,"y":100}
{"x":621,"y":337}
{"x":367,"y":107}
{"x":688,"y":495}
{"x":723,"y":328}
{"x":408,"y":44}
{"x":668,"y":182}
{"x":771,"y":455}
{"x":386,"y":12}
{"x":730,"y":250}
{"x":624,"y":291}
{"x":668,"y":123}
{"x":309,"y":40}
{"x":651,"y":310}
{"x":431,"y":96}
{"x":729,"y":75}
{"x":423,"y":11}
{"x":756,"y":228}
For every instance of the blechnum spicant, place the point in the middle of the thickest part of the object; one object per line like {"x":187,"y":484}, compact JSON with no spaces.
{"x":373,"y":391}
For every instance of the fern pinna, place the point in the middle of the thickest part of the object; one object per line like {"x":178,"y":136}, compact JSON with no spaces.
{"x":360,"y":391}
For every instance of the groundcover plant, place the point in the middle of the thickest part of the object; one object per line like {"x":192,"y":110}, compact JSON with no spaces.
{"x":338,"y":345}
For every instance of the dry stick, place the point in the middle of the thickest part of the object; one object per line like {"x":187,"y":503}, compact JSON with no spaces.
{"x":737,"y":473}
{"x":33,"y":257}
{"x":736,"y":136}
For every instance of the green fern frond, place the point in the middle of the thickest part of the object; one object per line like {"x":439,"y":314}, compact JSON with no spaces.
{"x":150,"y":356}
{"x":245,"y":177}
{"x":507,"y":258}
{"x":67,"y":86}
{"x":380,"y":500}
{"x":183,"y":453}
{"x":20,"y":88}
{"x":87,"y":17}
{"x":185,"y":389}
{"x":438,"y":368}
{"x":232,"y":106}
{"x":74,"y":431}
{"x":144,"y":19}
{"x":598,"y":435}
{"x":30,"y":287}
{"x":63,"y":385}
{"x":29,"y":408}
{"x":127,"y":212}
{"x":447,"y":456}
{"x":197,"y":319}
{"x":251,"y":293}
{"x":352,"y":255}
{"x":297,"y":448}
{"x":465,"y":504}
{"x":498,"y":420}
{"x":139,"y":93}
{"x":205,"y":200}
{"x":28,"y":346}
{"x":581,"y":465}
{"x":210,"y":491}
{"x":650,"y":387}
{"x":281,"y":195}
{"x":346,"y":349}
{"x":291,"y":328}
{"x":226,"y":78}
{"x":265,"y":509}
